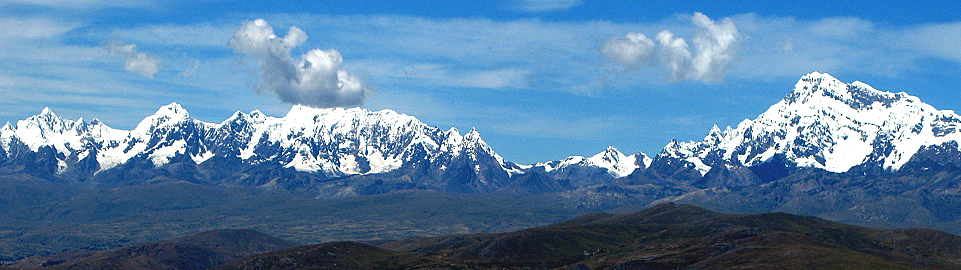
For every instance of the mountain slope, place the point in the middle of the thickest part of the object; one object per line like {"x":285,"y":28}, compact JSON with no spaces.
{"x":40,"y":218}
{"x":677,"y":236}
{"x":337,"y":255}
{"x":662,"y":237}
{"x":199,"y":251}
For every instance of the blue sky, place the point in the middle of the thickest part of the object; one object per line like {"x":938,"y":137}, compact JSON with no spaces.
{"x":540,"y":79}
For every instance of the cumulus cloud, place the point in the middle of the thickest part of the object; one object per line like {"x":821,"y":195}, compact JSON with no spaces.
{"x":715,"y":44}
{"x":713,"y":49}
{"x":317,"y":80}
{"x":631,"y":50}
{"x":136,"y":62}
{"x":674,"y":53}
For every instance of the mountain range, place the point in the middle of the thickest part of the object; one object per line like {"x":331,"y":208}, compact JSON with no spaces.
{"x":306,"y":147}
{"x":822,"y":124}
{"x":845,"y":152}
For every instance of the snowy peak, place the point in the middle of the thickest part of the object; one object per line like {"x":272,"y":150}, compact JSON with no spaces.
{"x":828,"y":124}
{"x":454,"y":142}
{"x":642,"y":160}
{"x":473,"y":138}
{"x":816,"y":88}
{"x":240,"y":120}
{"x":166,"y":117}
{"x":173,"y":111}
{"x":715,"y":136}
{"x":237,"y":116}
{"x":331,"y":142}
{"x":47,"y":121}
{"x":615,"y":163}
{"x":48,"y":129}
{"x":476,"y":147}
{"x":471,"y":144}
{"x":609,"y":156}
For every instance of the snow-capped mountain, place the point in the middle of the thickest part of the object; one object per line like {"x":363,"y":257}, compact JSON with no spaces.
{"x":603,"y":167}
{"x":616,"y":163}
{"x":823,"y":123}
{"x":326,"y":143}
{"x":827,"y":124}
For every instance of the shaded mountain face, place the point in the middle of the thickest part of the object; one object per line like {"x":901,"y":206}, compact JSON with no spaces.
{"x":662,"y":237}
{"x":200,"y":251}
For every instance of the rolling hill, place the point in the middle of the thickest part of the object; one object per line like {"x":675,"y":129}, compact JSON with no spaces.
{"x":666,"y":236}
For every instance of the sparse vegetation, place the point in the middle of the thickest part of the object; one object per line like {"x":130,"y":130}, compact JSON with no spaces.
{"x":39,"y":218}
{"x":663,"y":237}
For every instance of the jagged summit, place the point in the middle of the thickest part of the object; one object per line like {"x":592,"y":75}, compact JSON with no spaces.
{"x":334,"y":142}
{"x":618,"y":164}
{"x":609,"y":156}
{"x":825,"y":123}
{"x":611,"y":161}
{"x":473,"y":138}
{"x":46,"y":120}
{"x":172,"y":110}
{"x":818,"y":88}
{"x":822,"y":123}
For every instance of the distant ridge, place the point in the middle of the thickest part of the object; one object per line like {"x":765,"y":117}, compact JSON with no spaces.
{"x":666,"y":236}
{"x":200,"y":251}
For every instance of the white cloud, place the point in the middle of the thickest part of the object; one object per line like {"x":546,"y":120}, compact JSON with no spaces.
{"x":445,"y":75}
{"x":713,"y":50}
{"x":714,"y":44}
{"x":546,"y":5}
{"x":317,"y":80}
{"x":497,"y":79}
{"x":445,"y":54}
{"x":33,"y":28}
{"x":631,"y":50}
{"x":783,"y":47}
{"x":201,"y":35}
{"x":674,"y":53}
{"x":940,"y":40}
{"x":136,"y":62}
